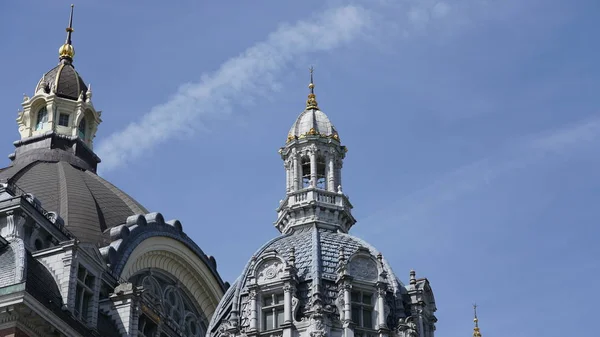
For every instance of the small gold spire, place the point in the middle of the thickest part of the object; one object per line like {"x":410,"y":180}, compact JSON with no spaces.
{"x":476,"y":332}
{"x":311,"y":102}
{"x":67,"y":50}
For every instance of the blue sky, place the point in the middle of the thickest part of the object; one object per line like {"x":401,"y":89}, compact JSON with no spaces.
{"x":472,"y":129}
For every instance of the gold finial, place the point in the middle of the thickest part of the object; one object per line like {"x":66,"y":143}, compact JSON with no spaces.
{"x":311,"y":102}
{"x":67,"y":50}
{"x":476,"y":332}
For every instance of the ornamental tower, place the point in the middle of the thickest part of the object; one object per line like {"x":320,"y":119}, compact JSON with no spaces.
{"x":78,"y":256}
{"x":313,"y":156}
{"x":61,"y":111}
{"x":315,"y":279}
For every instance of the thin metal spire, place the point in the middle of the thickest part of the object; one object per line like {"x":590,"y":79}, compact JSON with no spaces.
{"x":311,"y":103}
{"x":66,"y":51}
{"x":476,"y":332}
{"x":70,"y":28}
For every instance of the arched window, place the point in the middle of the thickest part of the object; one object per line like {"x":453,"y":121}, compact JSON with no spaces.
{"x":165,"y":299}
{"x":81,"y":129}
{"x":173,"y":305}
{"x":305,"y":171}
{"x":151,"y":289}
{"x":321,"y":179}
{"x":193,"y":327}
{"x":42,"y":118}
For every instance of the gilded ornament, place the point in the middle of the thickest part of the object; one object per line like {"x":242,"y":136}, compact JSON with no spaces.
{"x":67,"y":50}
{"x":311,"y":103}
{"x":312,"y":132}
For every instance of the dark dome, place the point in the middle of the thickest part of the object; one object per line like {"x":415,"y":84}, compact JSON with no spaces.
{"x":65,"y":80}
{"x":87,"y":203}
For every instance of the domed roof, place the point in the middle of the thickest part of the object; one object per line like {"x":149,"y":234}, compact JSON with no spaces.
{"x":312,"y":122}
{"x":88,"y":204}
{"x":317,"y":255}
{"x":63,"y":80}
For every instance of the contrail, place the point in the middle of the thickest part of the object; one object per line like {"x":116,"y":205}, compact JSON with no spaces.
{"x":214,"y":95}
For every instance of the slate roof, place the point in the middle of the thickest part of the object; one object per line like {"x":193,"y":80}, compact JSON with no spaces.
{"x":87,"y":203}
{"x":317,"y":252}
{"x":65,"y":80}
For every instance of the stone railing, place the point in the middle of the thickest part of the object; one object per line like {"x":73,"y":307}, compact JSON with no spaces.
{"x":53,"y":217}
{"x":315,"y":195}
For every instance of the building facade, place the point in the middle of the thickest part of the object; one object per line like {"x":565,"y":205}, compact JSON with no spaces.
{"x":315,"y":279}
{"x":78,"y":256}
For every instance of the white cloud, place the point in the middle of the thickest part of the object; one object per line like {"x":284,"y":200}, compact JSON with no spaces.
{"x":214,"y":95}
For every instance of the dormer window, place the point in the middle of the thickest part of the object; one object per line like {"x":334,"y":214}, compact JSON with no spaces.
{"x":84,"y":294}
{"x":63,"y":120}
{"x":362,"y":309}
{"x":81,"y":129}
{"x":272,"y":311}
{"x":42,"y":118}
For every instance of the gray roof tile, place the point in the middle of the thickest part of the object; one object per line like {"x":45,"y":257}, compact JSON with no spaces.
{"x":87,"y":203}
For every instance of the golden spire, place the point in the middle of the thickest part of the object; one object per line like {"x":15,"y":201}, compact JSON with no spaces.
{"x":476,"y":332}
{"x":311,"y":102}
{"x":66,"y":50}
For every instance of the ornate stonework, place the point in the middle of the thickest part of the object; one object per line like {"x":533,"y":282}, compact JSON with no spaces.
{"x":363,"y":268}
{"x":269,"y":271}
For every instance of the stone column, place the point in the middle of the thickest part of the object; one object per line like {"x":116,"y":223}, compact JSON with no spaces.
{"x":52,"y":113}
{"x":347,"y":303}
{"x":331,"y":173}
{"x":287,"y":303}
{"x":313,"y":168}
{"x":253,"y":312}
{"x":338,"y":174}
{"x":286,"y":165}
{"x":296,"y":171}
{"x":381,"y":308}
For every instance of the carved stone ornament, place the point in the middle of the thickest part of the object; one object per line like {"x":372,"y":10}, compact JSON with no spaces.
{"x":363,"y":268}
{"x":246,"y":312}
{"x":13,"y":225}
{"x":269,"y":271}
{"x":318,"y":328}
{"x":407,"y":328}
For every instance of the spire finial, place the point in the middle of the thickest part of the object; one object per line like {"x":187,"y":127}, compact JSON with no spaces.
{"x":476,"y":332}
{"x":311,"y":103}
{"x":66,"y":51}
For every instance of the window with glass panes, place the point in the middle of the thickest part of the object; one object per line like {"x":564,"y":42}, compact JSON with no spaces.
{"x":42,"y":118}
{"x":81,"y":129}
{"x":272,"y":311}
{"x":362,"y":309}
{"x":84,"y":294}
{"x":63,"y":120}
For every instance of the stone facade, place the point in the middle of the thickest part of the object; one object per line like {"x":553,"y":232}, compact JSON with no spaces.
{"x":78,"y":256}
{"x":315,"y":279}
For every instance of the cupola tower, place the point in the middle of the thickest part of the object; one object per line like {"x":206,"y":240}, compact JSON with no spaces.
{"x":313,"y":156}
{"x":315,"y":279}
{"x":61,"y":108}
